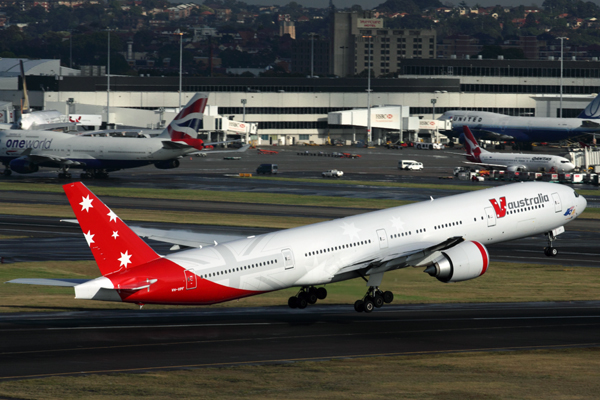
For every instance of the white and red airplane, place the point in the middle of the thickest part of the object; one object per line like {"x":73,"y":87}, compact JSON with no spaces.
{"x":99,"y":152}
{"x":445,"y":236}
{"x":513,"y":161}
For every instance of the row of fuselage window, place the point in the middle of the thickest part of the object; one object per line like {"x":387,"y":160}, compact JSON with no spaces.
{"x":336,"y":248}
{"x":238,"y":269}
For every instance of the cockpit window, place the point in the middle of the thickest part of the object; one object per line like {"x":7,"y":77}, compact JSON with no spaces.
{"x":576,"y":194}
{"x":564,"y":162}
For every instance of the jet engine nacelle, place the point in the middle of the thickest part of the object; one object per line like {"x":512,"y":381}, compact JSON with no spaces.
{"x":167,"y":164}
{"x":465,"y":261}
{"x":23,"y":166}
{"x":517,"y":168}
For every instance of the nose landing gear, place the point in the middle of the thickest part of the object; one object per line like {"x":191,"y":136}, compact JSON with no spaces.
{"x":374,"y":298}
{"x":306,"y":296}
{"x":550,"y":251}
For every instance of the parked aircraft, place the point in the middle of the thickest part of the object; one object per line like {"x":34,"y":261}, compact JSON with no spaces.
{"x":499,"y":127}
{"x":513,"y":161}
{"x":446,"y":237}
{"x":99,"y":152}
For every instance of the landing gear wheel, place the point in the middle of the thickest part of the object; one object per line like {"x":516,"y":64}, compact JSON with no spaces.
{"x":388,"y":296}
{"x":358,"y":306}
{"x":322,"y":293}
{"x":378,"y":301}
{"x":368,"y":305}
{"x":311,"y":296}
{"x":293,"y":302}
{"x":7,"y":172}
{"x":302,"y":303}
{"x":551,"y":251}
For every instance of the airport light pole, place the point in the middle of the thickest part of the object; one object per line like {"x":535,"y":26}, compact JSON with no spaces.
{"x":180,"y":62}
{"x":369,"y":94}
{"x":562,"y":38}
{"x":433,"y":101}
{"x":312,"y":53}
{"x":108,"y":83}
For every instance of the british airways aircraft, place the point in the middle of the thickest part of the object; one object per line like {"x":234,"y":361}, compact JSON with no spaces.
{"x":513,"y":161}
{"x":449,"y":246}
{"x":99,"y":152}
{"x":499,"y":127}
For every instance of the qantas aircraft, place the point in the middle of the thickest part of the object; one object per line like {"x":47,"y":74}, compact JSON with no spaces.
{"x":100,"y":152}
{"x":446,"y":237}
{"x":513,"y":161}
{"x":498,"y":127}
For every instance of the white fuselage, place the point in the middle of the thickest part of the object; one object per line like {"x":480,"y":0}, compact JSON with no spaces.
{"x":332,"y":251}
{"x":528,"y":162}
{"x":92,"y":151}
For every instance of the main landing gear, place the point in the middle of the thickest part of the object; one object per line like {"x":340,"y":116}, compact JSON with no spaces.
{"x":373,"y":298}
{"x":550,"y":251}
{"x":95,"y":173}
{"x":306,"y":296}
{"x":64,"y":174}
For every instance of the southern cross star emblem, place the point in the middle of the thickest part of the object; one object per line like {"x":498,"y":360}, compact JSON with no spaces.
{"x":115,"y":234}
{"x":125,"y":259}
{"x":350,"y":230}
{"x":86,"y":204}
{"x":398,"y":224}
{"x":112,"y":216}
{"x":89,"y":238}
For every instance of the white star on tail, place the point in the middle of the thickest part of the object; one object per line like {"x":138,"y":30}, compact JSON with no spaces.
{"x":115,"y":234}
{"x":89,"y":238}
{"x":86,"y":204}
{"x":125,"y":259}
{"x":112,"y":216}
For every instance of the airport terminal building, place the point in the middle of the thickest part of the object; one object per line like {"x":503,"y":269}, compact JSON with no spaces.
{"x":292,"y":110}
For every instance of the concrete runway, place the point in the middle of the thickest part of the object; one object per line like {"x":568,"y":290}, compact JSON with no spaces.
{"x":75,"y":343}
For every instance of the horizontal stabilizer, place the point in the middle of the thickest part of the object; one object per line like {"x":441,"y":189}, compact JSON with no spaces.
{"x":49,"y":282}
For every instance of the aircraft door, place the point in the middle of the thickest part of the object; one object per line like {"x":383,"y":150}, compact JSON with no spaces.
{"x":288,"y":258}
{"x":383,"y":243}
{"x":491,"y":216}
{"x":557,"y":203}
{"x":191,"y":281}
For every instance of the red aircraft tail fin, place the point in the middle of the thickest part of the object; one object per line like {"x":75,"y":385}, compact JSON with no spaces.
{"x":115,"y":247}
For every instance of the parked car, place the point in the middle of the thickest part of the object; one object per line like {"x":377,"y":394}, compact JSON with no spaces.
{"x":410,"y":165}
{"x":267,"y":169}
{"x":333,"y":173}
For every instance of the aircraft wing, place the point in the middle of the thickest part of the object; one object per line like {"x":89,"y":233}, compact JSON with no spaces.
{"x":490,"y":135}
{"x":48,"y":160}
{"x":177,"y":237}
{"x":487,"y":164}
{"x":410,"y":257}
{"x":49,"y":282}
{"x":167,"y":144}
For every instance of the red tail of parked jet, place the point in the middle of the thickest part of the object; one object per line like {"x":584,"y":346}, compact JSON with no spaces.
{"x":184,"y":127}
{"x":472,"y":147}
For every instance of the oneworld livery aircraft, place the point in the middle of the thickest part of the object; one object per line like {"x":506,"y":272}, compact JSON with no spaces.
{"x":513,"y":161}
{"x":499,"y":127}
{"x":99,"y":152}
{"x":446,"y":237}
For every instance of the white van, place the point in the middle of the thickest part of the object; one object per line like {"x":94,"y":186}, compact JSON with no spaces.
{"x":410,"y":165}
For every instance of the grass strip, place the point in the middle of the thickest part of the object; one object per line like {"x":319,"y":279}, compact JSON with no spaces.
{"x":220,"y":196}
{"x":528,"y":375}
{"x":503,"y":282}
{"x":177,"y":217}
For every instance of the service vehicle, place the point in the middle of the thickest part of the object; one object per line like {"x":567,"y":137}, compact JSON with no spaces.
{"x":410,"y":165}
{"x":333,"y":173}
{"x":267,"y":169}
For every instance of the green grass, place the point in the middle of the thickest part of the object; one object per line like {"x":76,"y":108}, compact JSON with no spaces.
{"x":504,"y":282}
{"x":528,"y":375}
{"x":177,"y":217}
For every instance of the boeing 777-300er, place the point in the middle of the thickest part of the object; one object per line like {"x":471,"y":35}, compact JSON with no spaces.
{"x":446,"y":236}
{"x":499,"y":127}
{"x":513,"y":161}
{"x":97,"y":153}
